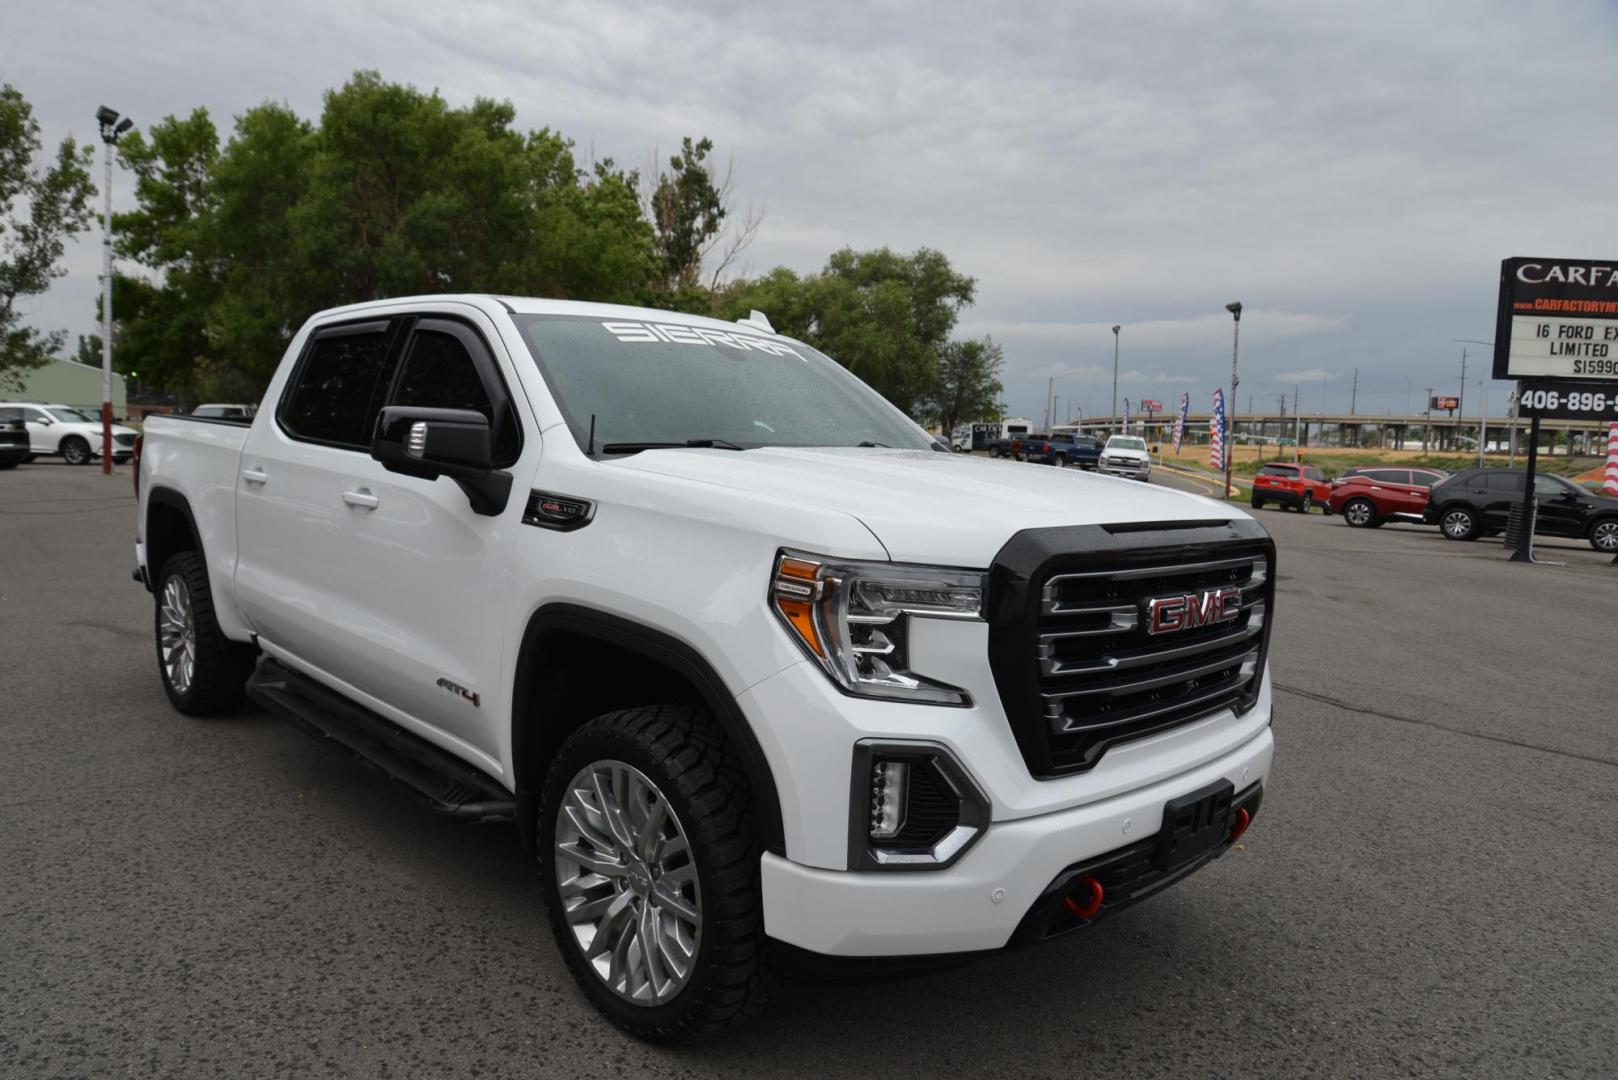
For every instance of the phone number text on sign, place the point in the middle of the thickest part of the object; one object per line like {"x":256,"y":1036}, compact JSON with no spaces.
{"x":1565,"y":347}
{"x":1562,"y":401}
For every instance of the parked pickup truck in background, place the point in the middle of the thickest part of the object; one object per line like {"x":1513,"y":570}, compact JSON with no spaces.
{"x":765,"y":680}
{"x":1064,"y":449}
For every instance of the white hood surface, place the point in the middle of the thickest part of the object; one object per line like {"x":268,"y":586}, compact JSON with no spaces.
{"x":930,"y":507}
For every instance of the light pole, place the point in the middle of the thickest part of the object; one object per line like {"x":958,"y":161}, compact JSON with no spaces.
{"x":1235,"y":309}
{"x":111,"y":128}
{"x":1115,"y":330}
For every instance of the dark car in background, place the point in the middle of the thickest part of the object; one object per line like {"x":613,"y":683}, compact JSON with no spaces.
{"x":13,"y":442}
{"x":1371,"y":497}
{"x":1476,"y":502}
{"x":1063,"y":448}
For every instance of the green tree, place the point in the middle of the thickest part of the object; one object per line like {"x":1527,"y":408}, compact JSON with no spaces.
{"x":883,"y":315}
{"x":392,"y":193}
{"x":88,"y":351}
{"x":32,"y":241}
{"x":968,"y":386}
{"x":687,"y":212}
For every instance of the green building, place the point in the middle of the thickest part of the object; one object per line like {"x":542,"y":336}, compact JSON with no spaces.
{"x":66,"y":382}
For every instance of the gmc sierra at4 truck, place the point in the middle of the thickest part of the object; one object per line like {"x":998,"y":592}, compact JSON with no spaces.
{"x":765,"y":679}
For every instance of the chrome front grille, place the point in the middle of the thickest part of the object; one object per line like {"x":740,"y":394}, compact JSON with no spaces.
{"x":1094,"y":674}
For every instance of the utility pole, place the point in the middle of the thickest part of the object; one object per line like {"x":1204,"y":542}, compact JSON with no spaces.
{"x":111,"y":128}
{"x":1235,"y":309}
{"x":1427,"y":428}
{"x":1354,"y":400}
{"x":1460,"y":398}
{"x":1115,"y":330}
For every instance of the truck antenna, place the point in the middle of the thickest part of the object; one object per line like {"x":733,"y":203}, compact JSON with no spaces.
{"x":591,"y":449}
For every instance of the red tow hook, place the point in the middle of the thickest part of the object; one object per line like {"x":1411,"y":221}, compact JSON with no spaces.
{"x":1243,"y":820}
{"x":1088,"y":909}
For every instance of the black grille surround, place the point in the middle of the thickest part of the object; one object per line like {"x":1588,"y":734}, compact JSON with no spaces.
{"x":1076,"y":669}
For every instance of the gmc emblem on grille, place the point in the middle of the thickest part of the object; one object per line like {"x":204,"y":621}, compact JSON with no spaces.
{"x":1171,"y":614}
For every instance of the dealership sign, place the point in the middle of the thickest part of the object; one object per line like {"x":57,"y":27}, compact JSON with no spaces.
{"x":1557,"y":319}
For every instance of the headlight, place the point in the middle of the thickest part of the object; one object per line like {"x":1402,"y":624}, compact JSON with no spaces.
{"x":853,"y":619}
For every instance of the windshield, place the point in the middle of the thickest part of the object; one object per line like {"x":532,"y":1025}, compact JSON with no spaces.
{"x":1126,"y":442}
{"x":72,"y":416}
{"x":667,"y":383}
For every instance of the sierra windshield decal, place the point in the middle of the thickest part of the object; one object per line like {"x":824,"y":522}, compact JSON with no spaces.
{"x":630,"y":332}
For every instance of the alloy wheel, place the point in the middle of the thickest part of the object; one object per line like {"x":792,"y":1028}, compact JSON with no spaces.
{"x":1358,"y":513}
{"x":1457,"y":523}
{"x":627,"y":882}
{"x":177,"y":630}
{"x":1605,"y":536}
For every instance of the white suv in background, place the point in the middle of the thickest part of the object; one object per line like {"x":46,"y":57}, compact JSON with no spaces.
{"x":1125,"y":455}
{"x":75,"y":434}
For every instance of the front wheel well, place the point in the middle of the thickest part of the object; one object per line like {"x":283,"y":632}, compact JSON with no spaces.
{"x":576,"y":664}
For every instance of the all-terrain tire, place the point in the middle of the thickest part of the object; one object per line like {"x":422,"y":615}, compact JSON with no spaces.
{"x":681,"y":749}
{"x":219,"y":667}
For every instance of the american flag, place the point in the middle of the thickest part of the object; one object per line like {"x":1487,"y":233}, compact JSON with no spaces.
{"x":1179,"y":421}
{"x":1609,"y":483}
{"x":1126,"y":416}
{"x":1216,"y":430}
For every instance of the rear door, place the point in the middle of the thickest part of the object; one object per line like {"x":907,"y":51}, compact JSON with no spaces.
{"x":292,"y":568}
{"x":1500,"y":491}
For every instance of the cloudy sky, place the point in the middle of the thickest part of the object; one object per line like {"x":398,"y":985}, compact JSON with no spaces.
{"x":1352,"y":172}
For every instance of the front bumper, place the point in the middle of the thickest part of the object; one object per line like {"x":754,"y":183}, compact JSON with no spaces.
{"x":1129,"y":469}
{"x":1001,"y":889}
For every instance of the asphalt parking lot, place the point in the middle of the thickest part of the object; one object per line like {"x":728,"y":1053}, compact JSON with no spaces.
{"x":1431,"y":888}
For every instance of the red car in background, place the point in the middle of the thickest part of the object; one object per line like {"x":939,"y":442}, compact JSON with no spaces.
{"x":1371,"y":497}
{"x":1298,"y":487}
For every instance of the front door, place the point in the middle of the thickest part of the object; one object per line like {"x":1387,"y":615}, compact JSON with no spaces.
{"x":1561,"y":510}
{"x":425,"y":578}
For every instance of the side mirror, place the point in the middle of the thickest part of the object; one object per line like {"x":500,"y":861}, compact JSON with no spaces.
{"x":457,"y":443}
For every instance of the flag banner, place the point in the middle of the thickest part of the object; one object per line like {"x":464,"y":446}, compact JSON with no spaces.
{"x":1216,"y":431}
{"x":1609,"y":482}
{"x":1179,"y":421}
{"x":1126,"y":416}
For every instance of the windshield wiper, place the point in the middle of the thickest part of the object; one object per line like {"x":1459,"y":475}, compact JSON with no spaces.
{"x":637,"y":447}
{"x":868,"y":442}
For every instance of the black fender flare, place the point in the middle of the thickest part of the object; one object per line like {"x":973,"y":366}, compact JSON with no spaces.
{"x":665,"y":649}
{"x":169,"y":497}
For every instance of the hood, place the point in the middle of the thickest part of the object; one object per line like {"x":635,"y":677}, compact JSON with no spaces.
{"x":1124,"y":451}
{"x":928,"y":507}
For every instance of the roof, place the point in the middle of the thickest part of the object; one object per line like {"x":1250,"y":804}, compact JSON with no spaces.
{"x":530,"y":305}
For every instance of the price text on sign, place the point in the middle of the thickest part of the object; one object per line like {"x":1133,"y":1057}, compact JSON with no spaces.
{"x":1557,"y":400}
{"x":1557,"y":319}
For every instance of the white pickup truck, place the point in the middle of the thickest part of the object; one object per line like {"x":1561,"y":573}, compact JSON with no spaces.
{"x":765,"y":679}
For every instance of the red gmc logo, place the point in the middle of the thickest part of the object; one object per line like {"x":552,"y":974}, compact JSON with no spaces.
{"x":1171,"y":614}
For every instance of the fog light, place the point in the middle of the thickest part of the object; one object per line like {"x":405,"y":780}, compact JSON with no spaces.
{"x":889,"y":781}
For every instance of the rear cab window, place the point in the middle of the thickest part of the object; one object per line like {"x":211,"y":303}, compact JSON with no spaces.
{"x":339,"y":384}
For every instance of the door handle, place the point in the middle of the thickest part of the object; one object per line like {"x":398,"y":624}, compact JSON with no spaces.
{"x":361,"y":498}
{"x":255,"y":476}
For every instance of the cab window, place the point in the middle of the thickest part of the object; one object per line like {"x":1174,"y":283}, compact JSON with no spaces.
{"x":441,"y":372}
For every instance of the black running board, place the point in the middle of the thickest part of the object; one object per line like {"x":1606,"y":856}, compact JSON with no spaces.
{"x":447,"y":784}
